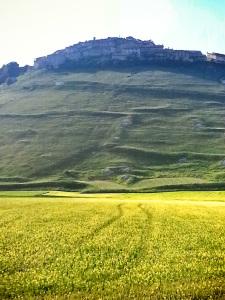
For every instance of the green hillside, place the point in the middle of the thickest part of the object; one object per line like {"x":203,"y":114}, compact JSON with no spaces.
{"x":122,"y":129}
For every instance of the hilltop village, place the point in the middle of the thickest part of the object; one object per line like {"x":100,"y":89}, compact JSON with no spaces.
{"x":115,"y":51}
{"x":112,"y":51}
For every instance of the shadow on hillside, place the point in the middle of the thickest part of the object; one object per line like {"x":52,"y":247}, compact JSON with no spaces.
{"x":203,"y":70}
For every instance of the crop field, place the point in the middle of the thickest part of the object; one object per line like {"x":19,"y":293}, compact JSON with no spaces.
{"x":61,"y":245}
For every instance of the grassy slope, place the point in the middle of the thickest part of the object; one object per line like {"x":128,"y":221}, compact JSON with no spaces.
{"x":133,"y":128}
{"x":124,"y":246}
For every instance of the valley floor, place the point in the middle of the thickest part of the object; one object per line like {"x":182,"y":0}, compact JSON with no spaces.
{"x":60,"y":245}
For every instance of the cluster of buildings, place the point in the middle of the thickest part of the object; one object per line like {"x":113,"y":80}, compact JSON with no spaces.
{"x":114,"y":51}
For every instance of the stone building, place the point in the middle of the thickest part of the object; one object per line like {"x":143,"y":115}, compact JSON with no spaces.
{"x":216,"y":57}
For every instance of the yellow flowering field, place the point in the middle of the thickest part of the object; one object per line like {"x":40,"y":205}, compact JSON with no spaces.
{"x":112,"y":246}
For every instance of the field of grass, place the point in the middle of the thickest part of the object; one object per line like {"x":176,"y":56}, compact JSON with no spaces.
{"x":113,"y":128}
{"x":61,"y":245}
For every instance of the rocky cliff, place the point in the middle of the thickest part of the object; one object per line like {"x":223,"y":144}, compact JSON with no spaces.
{"x":114,"y":51}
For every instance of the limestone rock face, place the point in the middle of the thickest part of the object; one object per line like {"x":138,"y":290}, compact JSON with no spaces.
{"x":114,"y":51}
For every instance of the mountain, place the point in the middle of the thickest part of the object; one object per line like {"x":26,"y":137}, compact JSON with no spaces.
{"x":136,"y":122}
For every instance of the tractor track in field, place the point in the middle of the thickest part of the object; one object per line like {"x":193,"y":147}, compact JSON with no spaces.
{"x":146,"y":212}
{"x":103,"y":226}
{"x":138,"y":252}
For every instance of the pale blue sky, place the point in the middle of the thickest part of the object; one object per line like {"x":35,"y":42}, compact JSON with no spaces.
{"x":33,"y":28}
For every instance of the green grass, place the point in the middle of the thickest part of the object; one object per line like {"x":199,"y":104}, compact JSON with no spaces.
{"x":120,"y":126}
{"x":112,"y":246}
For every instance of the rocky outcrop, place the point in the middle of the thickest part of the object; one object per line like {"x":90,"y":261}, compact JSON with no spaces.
{"x":10,"y":72}
{"x":114,"y":51}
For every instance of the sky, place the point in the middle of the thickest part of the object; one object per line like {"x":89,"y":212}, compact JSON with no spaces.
{"x":34,"y":28}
